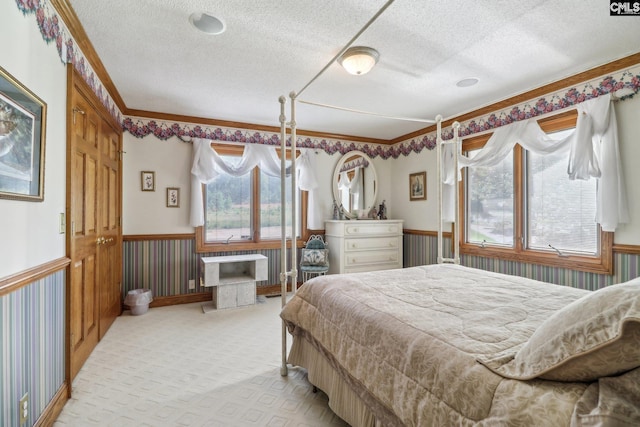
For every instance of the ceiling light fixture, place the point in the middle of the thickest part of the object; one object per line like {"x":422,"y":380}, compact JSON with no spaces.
{"x":467,"y":82}
{"x":207,"y":23}
{"x":359,"y":60}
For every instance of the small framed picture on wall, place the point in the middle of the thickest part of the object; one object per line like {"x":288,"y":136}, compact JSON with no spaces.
{"x":418,"y":186}
{"x":173,"y":197}
{"x":148,"y":181}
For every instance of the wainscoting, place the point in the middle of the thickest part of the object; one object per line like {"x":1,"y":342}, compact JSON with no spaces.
{"x":166,"y":266}
{"x":32,"y":355}
{"x":423,"y":249}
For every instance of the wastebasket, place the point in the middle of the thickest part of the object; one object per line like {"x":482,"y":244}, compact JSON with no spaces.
{"x":138,"y":301}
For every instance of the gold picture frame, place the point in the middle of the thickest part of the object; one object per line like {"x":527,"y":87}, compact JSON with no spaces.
{"x":147,"y":181}
{"x":23,"y":118}
{"x":173,"y":197}
{"x":418,"y":186}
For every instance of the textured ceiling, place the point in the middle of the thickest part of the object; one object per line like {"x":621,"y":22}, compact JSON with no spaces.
{"x":159,"y":62}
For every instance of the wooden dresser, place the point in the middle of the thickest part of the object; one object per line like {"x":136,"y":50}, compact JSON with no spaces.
{"x":364,"y":245}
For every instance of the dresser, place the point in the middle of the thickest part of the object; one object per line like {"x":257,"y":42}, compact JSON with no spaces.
{"x":364,"y":245}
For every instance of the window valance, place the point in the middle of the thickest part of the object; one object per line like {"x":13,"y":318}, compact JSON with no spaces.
{"x":207,"y":164}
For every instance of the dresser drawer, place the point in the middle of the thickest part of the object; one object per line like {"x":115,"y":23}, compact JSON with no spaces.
{"x":371,"y":243}
{"x":354,"y":259}
{"x":365,"y":228}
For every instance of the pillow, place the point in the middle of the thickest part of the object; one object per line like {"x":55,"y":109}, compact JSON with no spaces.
{"x":595,"y":336}
{"x":317,"y":257}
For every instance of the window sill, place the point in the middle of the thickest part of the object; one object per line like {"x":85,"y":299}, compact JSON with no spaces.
{"x":209,"y":247}
{"x":602,"y":264}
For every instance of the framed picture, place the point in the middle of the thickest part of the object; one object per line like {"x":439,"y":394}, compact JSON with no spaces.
{"x":173,"y":197}
{"x":148,"y":181}
{"x":418,"y":186}
{"x":23,"y":118}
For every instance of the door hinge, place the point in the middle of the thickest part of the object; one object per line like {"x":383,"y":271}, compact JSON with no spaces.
{"x":77,"y":110}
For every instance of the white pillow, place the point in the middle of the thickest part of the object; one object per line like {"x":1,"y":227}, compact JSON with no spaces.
{"x":595,"y":336}
{"x":315,"y":257}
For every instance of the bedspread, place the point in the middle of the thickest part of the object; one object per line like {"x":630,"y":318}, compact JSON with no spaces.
{"x":407,"y":341}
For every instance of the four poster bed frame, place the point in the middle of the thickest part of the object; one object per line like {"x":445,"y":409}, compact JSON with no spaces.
{"x":284,"y":124}
{"x":444,"y":344}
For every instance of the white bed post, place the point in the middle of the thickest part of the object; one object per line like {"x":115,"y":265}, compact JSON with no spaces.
{"x":294,"y":184}
{"x":439,"y":179}
{"x":283,"y":229}
{"x":456,"y":194}
{"x":439,"y":172}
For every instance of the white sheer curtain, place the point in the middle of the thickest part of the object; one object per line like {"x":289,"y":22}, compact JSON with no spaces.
{"x":207,"y":164}
{"x":593,"y":152}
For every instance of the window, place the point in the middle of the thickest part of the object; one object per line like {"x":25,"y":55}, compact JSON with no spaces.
{"x":243,"y":213}
{"x":560,"y":212}
{"x":526,"y":209}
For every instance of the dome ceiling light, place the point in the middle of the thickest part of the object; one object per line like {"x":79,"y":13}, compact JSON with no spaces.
{"x":359,"y":60}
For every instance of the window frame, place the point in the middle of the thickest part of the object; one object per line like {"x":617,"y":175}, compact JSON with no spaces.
{"x":601,"y":263}
{"x":257,"y":243}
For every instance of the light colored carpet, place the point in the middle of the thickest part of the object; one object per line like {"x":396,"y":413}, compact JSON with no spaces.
{"x":176,"y":366}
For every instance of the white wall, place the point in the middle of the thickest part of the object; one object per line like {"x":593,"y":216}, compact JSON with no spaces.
{"x":628,"y":116}
{"x":146,"y":212}
{"x":29,"y":231}
{"x":418,"y":214}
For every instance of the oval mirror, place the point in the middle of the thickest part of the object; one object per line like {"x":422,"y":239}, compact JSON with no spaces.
{"x":355,"y":185}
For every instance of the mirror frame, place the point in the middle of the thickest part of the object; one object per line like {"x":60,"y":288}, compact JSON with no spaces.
{"x":336,"y":174}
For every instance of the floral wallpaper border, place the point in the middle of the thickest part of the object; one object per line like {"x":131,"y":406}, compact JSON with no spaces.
{"x":53,"y":30}
{"x":629,"y":79}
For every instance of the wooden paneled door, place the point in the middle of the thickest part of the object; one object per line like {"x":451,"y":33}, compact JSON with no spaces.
{"x":94,"y":233}
{"x":109,"y":230}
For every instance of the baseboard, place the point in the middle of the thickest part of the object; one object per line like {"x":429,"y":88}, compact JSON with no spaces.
{"x":269,"y":290}
{"x":54,"y":408}
{"x":180,"y":299}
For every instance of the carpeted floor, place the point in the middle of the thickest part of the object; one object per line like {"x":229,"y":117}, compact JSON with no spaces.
{"x":176,"y":366}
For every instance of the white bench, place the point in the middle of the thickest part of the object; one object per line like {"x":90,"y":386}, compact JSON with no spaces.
{"x":233,"y":279}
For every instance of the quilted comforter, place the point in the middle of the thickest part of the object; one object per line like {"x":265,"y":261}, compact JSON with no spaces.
{"x":408,"y":343}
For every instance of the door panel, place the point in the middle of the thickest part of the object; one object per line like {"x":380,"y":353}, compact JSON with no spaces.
{"x":94,"y":237}
{"x":110,"y":248}
{"x":83,"y":188}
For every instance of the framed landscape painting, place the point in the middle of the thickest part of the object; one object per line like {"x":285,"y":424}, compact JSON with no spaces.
{"x":22,"y":141}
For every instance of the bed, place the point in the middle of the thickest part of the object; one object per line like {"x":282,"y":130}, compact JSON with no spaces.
{"x":444,"y":345}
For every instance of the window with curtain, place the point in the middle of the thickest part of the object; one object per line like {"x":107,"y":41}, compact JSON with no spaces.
{"x":228,"y":207}
{"x":244,"y":211}
{"x":527,"y":209}
{"x":560,"y":212}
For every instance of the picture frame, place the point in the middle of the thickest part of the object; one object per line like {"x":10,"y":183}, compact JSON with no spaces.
{"x":147,"y":181}
{"x":173,"y":197}
{"x":23,"y":118}
{"x":418,"y":186}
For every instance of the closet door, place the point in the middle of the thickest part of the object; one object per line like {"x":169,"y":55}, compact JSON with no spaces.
{"x":82,"y":211}
{"x":94,"y":235}
{"x":109,"y":230}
